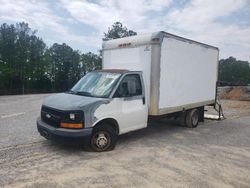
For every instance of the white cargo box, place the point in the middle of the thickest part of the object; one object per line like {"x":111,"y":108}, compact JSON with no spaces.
{"x":179,"y":73}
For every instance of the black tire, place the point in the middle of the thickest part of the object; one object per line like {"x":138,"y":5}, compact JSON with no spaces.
{"x":192,"y":118}
{"x":103,"y":138}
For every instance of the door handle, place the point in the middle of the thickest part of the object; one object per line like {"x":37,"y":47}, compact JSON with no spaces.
{"x":143,"y":100}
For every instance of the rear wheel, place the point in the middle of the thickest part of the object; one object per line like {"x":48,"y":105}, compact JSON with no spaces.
{"x":103,"y":138}
{"x":192,"y":118}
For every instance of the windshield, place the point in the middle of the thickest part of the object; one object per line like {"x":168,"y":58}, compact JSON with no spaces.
{"x":96,"y":84}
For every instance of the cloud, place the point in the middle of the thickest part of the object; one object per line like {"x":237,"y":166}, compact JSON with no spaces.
{"x":39,"y":15}
{"x":196,"y":19}
{"x":34,"y":12}
{"x":103,"y":14}
{"x":199,"y":21}
{"x":200,"y":12}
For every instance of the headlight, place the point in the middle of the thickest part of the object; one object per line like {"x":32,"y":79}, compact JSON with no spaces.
{"x":72,"y":116}
{"x":73,"y":119}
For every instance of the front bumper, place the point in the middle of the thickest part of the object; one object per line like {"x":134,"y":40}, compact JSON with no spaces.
{"x":64,"y":136}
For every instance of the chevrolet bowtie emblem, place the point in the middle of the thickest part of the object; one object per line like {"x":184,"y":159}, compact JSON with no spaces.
{"x":48,"y":115}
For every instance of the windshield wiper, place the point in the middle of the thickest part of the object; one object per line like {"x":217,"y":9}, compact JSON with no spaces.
{"x":83,"y":93}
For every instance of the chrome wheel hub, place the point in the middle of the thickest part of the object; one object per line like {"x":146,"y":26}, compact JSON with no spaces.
{"x":101,"y":140}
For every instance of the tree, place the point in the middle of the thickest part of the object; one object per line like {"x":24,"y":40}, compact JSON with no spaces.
{"x":90,"y":62}
{"x":21,"y":53}
{"x":7,"y":54}
{"x":234,"y":71}
{"x":39,"y":77}
{"x":64,"y":66}
{"x":117,"y":30}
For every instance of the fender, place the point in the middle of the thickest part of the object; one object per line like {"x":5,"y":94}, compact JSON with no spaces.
{"x":111,"y":121}
{"x":110,"y":111}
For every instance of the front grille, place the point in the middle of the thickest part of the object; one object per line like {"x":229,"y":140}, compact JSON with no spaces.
{"x":51,"y":116}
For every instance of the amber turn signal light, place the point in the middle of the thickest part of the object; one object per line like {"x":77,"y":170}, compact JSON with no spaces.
{"x":71,"y":125}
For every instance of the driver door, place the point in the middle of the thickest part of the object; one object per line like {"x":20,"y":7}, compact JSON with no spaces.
{"x":132,"y":107}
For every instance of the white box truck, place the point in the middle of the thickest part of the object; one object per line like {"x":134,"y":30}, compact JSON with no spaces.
{"x":153,"y":75}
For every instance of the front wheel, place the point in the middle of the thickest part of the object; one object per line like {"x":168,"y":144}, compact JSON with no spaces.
{"x":103,"y":138}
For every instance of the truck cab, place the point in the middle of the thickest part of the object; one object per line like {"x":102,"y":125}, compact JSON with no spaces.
{"x":101,"y":106}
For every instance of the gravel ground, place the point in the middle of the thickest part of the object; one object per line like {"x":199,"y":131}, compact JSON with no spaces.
{"x":215,"y":154}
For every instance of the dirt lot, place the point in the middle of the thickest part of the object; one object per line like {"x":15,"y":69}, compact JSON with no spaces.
{"x":215,"y":154}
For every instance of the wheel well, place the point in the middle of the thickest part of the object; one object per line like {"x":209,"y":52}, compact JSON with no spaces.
{"x":112,"y":122}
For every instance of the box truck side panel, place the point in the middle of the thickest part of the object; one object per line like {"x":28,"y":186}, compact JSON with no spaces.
{"x":133,"y":59}
{"x":188,"y":75}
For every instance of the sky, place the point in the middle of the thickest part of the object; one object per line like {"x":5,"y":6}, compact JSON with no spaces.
{"x":81,"y":23}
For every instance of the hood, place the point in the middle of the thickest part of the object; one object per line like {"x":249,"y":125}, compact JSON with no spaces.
{"x":66,"y":101}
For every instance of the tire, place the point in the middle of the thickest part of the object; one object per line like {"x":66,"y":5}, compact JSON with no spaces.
{"x":192,"y":118}
{"x":103,"y":138}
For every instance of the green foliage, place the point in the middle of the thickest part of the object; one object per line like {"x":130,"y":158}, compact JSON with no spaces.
{"x":65,"y":67}
{"x":118,"y":31}
{"x":21,"y":53}
{"x":28,"y":66}
{"x":234,"y":71}
{"x":90,"y":62}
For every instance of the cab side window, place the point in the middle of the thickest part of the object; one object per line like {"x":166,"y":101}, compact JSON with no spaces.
{"x":130,"y":86}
